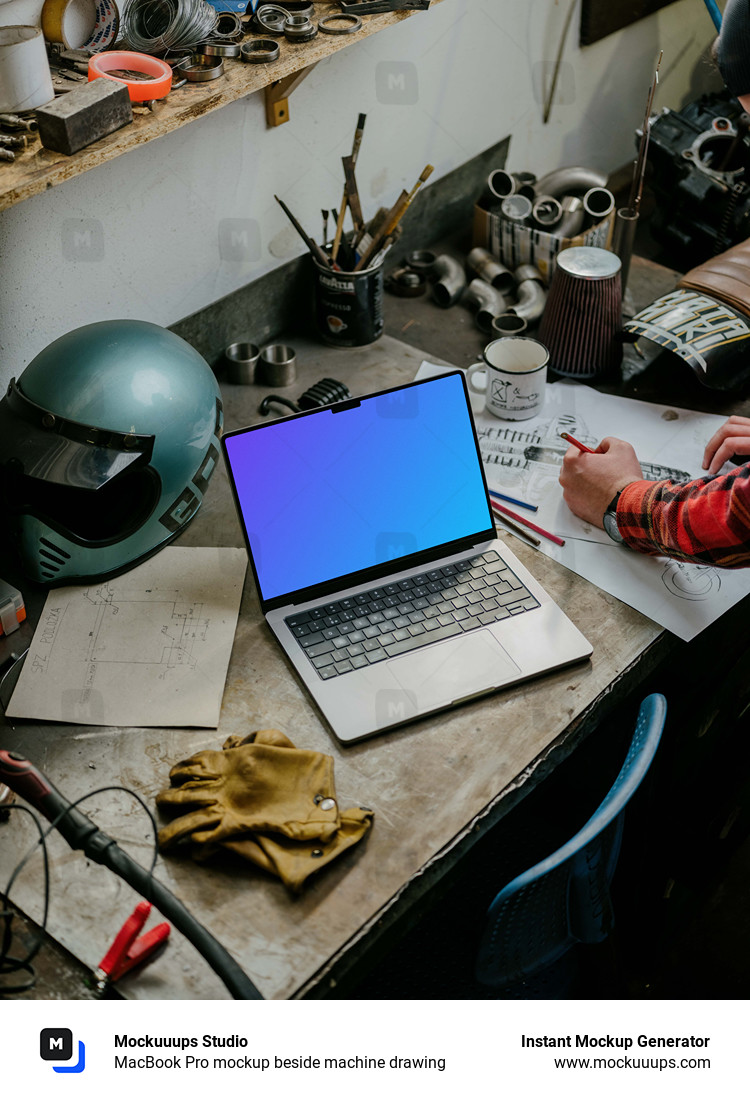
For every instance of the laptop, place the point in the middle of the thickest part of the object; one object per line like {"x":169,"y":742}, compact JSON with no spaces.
{"x":372,"y":543}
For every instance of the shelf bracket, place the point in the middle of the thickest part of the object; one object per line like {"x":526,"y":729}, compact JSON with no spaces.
{"x":277,"y":95}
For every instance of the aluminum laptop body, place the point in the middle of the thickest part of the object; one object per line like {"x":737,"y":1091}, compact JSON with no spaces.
{"x":372,"y":543}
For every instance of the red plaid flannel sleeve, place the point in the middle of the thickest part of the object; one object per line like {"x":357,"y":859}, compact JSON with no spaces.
{"x":706,"y":520}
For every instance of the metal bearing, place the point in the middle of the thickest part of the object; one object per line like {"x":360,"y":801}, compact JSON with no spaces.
{"x":228,"y":25}
{"x":326,"y":24}
{"x":298,"y":28}
{"x":219,"y":49}
{"x":271,"y":18}
{"x":201,"y":68}
{"x":260,"y":50}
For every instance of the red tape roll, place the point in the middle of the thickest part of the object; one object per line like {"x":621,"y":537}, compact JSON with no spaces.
{"x":139,"y":90}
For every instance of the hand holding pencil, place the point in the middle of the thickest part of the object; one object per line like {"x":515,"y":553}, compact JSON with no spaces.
{"x":591,"y":478}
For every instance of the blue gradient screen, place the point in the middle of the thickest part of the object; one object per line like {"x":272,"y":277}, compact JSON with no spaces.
{"x":330,"y":493}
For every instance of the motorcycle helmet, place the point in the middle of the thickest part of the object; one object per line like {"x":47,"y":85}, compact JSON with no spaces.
{"x":107,"y":443}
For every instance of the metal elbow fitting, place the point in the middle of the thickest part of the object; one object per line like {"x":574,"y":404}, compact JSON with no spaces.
{"x":489,"y":302}
{"x":532,"y":298}
{"x":449,"y":280}
{"x":572,"y":219}
{"x":566,"y":181}
{"x":491,"y":270}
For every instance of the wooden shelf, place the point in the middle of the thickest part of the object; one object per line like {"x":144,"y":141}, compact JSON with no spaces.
{"x":37,"y":169}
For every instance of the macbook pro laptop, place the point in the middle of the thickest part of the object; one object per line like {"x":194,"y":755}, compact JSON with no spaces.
{"x":371,"y":539}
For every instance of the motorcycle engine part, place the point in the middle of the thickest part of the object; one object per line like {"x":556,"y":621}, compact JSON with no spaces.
{"x":339,"y":23}
{"x":228,"y":26}
{"x":84,"y":115}
{"x":421,"y":260}
{"x":271,"y":18}
{"x":260,"y":51}
{"x":699,"y":172}
{"x":298,"y":28}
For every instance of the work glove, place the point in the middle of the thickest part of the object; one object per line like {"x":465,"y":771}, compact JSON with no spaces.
{"x":264,"y":799}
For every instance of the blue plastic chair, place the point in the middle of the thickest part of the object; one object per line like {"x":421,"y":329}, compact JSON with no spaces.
{"x":537,"y":918}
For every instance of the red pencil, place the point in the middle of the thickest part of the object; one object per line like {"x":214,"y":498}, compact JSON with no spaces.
{"x":527,"y":523}
{"x":581,"y":446}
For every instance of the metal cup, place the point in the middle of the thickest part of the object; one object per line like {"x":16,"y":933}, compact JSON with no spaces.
{"x":241,"y":360}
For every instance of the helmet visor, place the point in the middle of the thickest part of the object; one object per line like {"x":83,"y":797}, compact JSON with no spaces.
{"x":64,"y":452}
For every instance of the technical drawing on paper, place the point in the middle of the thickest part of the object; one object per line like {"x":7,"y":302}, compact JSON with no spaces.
{"x":150,"y":648}
{"x":690,"y":581}
{"x":531,"y":459}
{"x":174,"y":627}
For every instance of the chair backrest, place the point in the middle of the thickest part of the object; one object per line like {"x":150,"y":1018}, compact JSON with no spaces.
{"x":565,"y":898}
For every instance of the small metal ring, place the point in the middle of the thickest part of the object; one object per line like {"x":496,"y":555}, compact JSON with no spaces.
{"x":274,"y":24}
{"x":354,"y":22}
{"x":219,"y":49}
{"x":300,"y":34}
{"x":201,"y":68}
{"x":260,"y":50}
{"x":235,"y":30}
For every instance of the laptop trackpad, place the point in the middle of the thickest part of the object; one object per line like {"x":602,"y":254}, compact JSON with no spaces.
{"x":454,"y":669}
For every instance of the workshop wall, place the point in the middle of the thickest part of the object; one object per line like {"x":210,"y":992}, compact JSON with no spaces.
{"x":181,"y":222}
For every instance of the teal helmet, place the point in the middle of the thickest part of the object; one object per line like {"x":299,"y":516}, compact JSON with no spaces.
{"x":107,"y":443}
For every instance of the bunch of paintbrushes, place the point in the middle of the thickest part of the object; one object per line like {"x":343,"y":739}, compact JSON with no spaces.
{"x":368,"y":242}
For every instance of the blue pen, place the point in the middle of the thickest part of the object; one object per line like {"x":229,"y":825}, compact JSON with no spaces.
{"x":512,"y":500}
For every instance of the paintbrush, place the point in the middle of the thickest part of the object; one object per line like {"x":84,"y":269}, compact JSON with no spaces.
{"x":312,"y":245}
{"x":344,"y":200}
{"x":384,"y":236}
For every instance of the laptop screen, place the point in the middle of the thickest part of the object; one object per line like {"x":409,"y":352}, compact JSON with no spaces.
{"x":329,"y":493}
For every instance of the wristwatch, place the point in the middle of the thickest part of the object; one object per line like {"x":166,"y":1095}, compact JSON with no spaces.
{"x":609,"y":520}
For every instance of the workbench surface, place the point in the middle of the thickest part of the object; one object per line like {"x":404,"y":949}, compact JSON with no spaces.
{"x":434,"y":785}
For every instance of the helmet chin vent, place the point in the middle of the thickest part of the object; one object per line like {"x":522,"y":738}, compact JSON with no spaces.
{"x":51,"y":557}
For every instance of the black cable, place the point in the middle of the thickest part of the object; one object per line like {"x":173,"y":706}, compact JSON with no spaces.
{"x":10,"y":964}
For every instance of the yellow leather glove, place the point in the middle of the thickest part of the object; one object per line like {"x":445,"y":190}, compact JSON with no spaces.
{"x":266,"y":800}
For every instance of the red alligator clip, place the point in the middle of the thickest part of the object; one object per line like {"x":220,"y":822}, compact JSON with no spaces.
{"x":128,"y":949}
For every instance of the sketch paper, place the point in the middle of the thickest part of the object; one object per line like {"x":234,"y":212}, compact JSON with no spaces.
{"x":523,"y":459}
{"x":149,"y":648}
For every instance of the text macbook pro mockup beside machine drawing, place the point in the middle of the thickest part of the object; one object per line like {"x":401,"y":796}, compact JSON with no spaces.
{"x":371,"y":537}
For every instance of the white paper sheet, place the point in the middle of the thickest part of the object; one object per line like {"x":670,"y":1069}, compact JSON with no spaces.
{"x":149,"y":648}
{"x":523,"y":459}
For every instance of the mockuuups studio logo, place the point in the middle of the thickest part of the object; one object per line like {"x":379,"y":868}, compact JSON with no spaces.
{"x":396,"y":82}
{"x":239,"y":240}
{"x":82,"y":240}
{"x":402,"y":404}
{"x":390,"y":545}
{"x":56,"y":1045}
{"x":393,"y":705}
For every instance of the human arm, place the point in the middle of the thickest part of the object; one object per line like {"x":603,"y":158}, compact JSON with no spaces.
{"x":706,"y":520}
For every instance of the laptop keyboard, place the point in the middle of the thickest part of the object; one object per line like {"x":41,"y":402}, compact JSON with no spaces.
{"x":397,"y":618}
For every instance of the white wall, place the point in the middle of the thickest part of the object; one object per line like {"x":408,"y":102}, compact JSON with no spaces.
{"x":179,"y":223}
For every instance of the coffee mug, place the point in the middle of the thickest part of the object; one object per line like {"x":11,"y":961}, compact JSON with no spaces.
{"x":515,"y":370}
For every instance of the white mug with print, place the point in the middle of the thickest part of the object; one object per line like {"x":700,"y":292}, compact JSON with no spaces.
{"x":515,"y":377}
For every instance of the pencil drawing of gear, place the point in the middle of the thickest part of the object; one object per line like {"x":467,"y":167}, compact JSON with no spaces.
{"x":690,"y":581}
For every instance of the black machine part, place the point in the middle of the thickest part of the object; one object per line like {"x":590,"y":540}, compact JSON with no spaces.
{"x":699,"y":172}
{"x":325,"y":392}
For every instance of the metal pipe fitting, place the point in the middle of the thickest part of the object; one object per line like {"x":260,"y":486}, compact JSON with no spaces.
{"x":546,"y":211}
{"x":490,"y":269}
{"x":525,"y":272}
{"x":508,"y":324}
{"x":598,"y":202}
{"x":421,"y":260}
{"x":567,"y":181}
{"x":531,"y":300}
{"x":488,"y":301}
{"x":449,"y":281}
{"x":516,"y":208}
{"x":502,"y":183}
{"x":572,"y":219}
